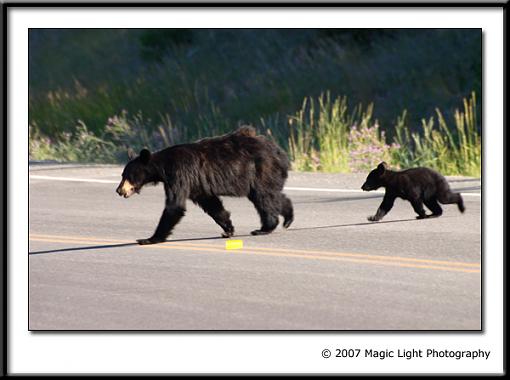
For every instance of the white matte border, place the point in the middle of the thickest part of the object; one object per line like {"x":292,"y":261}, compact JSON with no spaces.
{"x":247,"y":352}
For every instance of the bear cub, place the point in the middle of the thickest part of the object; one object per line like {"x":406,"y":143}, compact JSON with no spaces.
{"x":418,"y":185}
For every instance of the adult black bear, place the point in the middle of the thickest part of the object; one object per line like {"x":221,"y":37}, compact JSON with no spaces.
{"x":418,"y":186}
{"x":239,"y":164}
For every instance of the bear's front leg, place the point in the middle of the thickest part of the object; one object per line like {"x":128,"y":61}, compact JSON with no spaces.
{"x":172,"y":214}
{"x":384,"y":208}
{"x":150,"y":240}
{"x":375,"y":218}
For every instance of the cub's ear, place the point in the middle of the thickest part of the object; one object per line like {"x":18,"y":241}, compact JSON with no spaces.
{"x":145,"y":156}
{"x":131,"y":154}
{"x":382,"y":167}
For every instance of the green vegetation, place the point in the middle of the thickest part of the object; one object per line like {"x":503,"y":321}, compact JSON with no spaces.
{"x":449,"y":150}
{"x":319,"y":134}
{"x":94,"y":93}
{"x":331,"y":139}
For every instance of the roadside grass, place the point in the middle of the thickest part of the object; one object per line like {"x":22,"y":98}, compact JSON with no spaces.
{"x":92,"y":94}
{"x":452,"y":150}
{"x":323,"y":135}
{"x":330,"y":138}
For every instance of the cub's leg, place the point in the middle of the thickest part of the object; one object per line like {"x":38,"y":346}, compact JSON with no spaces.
{"x":449,"y":197}
{"x":214,"y":208}
{"x":269,"y":207}
{"x":417,"y":204}
{"x":384,"y":208}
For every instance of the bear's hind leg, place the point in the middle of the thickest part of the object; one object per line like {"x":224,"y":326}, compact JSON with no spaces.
{"x":214,"y":208}
{"x":434,"y":207}
{"x":287,"y":211}
{"x":269,"y":207}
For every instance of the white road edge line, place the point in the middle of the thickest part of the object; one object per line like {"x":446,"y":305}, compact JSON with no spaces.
{"x":69,"y":179}
{"x":72,"y":179}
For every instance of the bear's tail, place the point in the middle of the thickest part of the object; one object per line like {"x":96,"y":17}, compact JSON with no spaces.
{"x":245,"y":130}
{"x":282,"y":161}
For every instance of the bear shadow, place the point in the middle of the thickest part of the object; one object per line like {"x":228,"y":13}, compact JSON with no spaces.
{"x":103,"y":246}
{"x":106,"y":246}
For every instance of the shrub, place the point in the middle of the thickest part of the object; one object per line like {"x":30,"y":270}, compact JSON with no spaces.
{"x":320,"y":140}
{"x":81,"y":146}
{"x":450,"y":150}
{"x":367,"y":148}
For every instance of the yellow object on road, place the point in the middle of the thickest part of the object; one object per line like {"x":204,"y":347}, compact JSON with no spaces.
{"x":234,"y":244}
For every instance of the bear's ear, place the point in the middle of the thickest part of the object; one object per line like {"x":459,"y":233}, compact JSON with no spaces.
{"x":382,"y":167}
{"x":145,"y":156}
{"x":131,"y":154}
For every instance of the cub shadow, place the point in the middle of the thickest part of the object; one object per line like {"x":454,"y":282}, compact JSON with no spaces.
{"x":340,"y":199}
{"x":358,"y":224}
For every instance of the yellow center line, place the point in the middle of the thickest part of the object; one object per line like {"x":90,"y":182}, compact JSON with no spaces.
{"x":283,"y":250}
{"x":315,"y":255}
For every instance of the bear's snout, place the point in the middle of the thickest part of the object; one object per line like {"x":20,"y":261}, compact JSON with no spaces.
{"x":125,"y":189}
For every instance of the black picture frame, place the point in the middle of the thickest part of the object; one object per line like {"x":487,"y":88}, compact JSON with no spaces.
{"x":322,"y":4}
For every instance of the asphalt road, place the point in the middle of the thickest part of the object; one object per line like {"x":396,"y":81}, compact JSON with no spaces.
{"x":331,"y":270}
